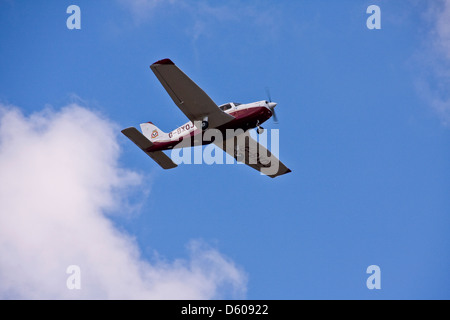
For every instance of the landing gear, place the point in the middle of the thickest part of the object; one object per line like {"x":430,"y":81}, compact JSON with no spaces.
{"x":260,"y":129}
{"x":205,"y":123}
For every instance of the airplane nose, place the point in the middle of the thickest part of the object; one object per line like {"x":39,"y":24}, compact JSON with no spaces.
{"x":272,"y":105}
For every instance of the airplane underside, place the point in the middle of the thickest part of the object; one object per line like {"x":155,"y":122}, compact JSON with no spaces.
{"x":244,"y":120}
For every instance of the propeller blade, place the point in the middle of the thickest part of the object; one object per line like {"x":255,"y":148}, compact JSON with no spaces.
{"x":268,"y":94}
{"x":274,"y":114}
{"x":272,"y":106}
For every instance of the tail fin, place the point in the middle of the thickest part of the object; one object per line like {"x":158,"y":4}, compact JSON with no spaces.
{"x":153,"y":133}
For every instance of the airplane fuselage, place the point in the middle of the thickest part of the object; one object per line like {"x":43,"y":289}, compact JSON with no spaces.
{"x":247,"y":116}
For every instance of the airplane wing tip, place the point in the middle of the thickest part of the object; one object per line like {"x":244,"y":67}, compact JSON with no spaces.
{"x":163,"y":62}
{"x":124,"y":131}
{"x":281,"y":173}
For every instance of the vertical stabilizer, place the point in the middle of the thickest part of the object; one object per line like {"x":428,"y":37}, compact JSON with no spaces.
{"x":153,"y":133}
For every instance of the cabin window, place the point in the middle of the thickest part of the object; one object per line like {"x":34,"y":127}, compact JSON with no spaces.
{"x":225,"y":107}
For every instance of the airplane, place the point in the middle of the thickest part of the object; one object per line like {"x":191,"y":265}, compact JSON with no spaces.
{"x":204,"y":115}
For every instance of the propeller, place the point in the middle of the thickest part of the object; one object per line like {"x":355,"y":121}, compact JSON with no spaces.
{"x":272,"y":106}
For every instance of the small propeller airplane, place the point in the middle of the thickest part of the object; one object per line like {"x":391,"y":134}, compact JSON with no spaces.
{"x":204,"y":113}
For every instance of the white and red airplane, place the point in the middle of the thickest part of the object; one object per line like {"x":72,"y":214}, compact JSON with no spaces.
{"x":204,"y":114}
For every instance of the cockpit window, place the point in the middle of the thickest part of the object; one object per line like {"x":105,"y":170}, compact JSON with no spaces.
{"x":225,"y":107}
{"x":228,"y":106}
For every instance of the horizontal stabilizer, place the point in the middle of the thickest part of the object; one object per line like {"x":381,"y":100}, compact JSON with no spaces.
{"x":144,"y":144}
{"x":138,"y":138}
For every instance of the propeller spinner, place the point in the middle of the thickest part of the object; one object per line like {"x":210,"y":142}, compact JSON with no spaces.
{"x":272,"y":106}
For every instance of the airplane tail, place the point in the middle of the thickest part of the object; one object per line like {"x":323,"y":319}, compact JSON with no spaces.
{"x":153,"y":133}
{"x":144,"y":144}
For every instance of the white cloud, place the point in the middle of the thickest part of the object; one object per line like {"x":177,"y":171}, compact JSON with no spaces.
{"x":59,"y":174}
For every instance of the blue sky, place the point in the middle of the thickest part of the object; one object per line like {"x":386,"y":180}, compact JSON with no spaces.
{"x":363,"y":120}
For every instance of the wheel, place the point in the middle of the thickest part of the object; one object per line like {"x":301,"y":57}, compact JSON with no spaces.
{"x":260,"y":130}
{"x":205,"y":125}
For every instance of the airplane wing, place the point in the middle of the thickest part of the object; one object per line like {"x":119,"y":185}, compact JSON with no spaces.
{"x":247,"y":150}
{"x":187,"y":95}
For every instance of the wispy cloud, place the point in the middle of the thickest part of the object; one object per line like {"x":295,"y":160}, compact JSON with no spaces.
{"x":209,"y":21}
{"x":434,"y":59}
{"x":59,"y":174}
{"x":441,"y":14}
{"x":144,"y":9}
{"x":205,"y":15}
